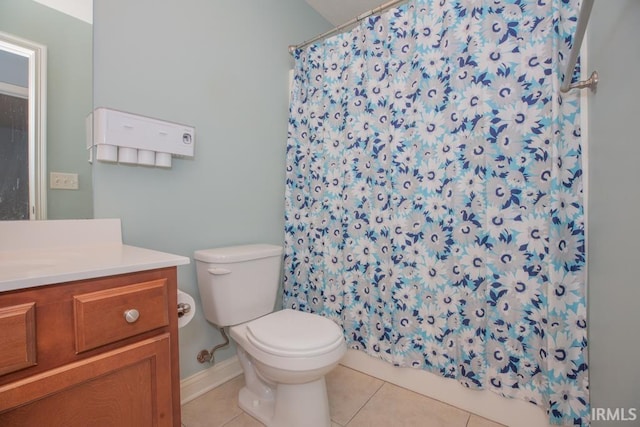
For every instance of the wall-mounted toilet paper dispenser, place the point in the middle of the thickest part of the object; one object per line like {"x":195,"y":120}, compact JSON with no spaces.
{"x":186,"y":308}
{"x":183,"y":308}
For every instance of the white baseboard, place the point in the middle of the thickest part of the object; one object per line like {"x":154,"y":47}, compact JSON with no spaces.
{"x":510,"y":412}
{"x":208,"y":379}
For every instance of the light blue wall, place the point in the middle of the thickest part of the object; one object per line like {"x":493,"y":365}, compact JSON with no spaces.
{"x":221,"y":66}
{"x":69,"y":88}
{"x":614,"y":208}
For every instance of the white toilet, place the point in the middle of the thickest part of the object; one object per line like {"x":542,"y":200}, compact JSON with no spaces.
{"x":284,"y":354}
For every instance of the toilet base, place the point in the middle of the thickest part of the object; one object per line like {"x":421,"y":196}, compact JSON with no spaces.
{"x":259,"y":408}
{"x":294,"y":405}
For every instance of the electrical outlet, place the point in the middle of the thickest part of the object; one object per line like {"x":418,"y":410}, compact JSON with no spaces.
{"x":63,"y":181}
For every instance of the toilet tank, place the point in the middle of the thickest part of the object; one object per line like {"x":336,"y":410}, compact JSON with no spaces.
{"x":238,"y":283}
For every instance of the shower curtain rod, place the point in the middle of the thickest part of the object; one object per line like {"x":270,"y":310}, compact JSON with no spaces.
{"x":340,"y":28}
{"x":583,"y":20}
{"x":592,"y":81}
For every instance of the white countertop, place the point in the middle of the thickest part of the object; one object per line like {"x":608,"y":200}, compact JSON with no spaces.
{"x":38,"y":254}
{"x":29,"y":268}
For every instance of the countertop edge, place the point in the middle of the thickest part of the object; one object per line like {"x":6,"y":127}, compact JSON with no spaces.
{"x":132,"y":259}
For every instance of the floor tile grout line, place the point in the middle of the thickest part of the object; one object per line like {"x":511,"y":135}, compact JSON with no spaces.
{"x":468,"y":413}
{"x":365,"y":403}
{"x":231,"y":419}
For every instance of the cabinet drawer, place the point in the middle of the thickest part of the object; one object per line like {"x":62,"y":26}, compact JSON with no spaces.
{"x":110,"y":315}
{"x":18,"y":337}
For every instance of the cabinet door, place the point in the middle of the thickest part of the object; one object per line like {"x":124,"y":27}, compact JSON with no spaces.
{"x":128,"y":387}
{"x":18,"y":337}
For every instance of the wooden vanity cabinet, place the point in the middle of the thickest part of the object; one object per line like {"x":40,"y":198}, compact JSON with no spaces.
{"x":97,"y":352}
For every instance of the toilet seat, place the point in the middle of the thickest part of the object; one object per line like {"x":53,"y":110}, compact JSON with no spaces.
{"x":291,"y":333}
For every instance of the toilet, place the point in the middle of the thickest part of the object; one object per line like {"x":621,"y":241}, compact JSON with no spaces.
{"x":284,"y":354}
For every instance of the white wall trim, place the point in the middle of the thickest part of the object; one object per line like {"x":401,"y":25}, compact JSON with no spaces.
{"x":510,"y":412}
{"x":13,"y":90}
{"x":585,"y":96}
{"x":208,"y":379}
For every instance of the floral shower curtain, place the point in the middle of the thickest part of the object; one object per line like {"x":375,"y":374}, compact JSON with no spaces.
{"x":434,"y":202}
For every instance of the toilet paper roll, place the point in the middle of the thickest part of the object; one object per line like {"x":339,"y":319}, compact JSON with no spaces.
{"x":185,"y":314}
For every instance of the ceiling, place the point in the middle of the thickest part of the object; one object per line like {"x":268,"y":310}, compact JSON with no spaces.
{"x":338,"y":12}
{"x":81,"y":9}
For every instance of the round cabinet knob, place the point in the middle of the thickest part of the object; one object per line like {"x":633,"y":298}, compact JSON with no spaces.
{"x":131,"y":315}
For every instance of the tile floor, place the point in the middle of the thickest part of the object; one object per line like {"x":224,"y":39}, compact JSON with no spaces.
{"x":355,"y":400}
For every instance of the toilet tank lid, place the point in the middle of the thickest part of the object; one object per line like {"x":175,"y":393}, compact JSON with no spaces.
{"x":231,"y":254}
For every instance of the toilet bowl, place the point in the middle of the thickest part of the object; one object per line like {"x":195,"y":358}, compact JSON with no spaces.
{"x":284,"y":354}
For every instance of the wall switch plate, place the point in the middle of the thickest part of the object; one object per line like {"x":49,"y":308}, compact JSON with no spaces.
{"x":63,"y":181}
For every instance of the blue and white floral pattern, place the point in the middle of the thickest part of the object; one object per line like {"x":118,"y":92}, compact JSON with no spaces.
{"x":434,"y":204}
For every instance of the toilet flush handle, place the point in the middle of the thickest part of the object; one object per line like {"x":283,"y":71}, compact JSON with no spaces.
{"x":219,"y":271}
